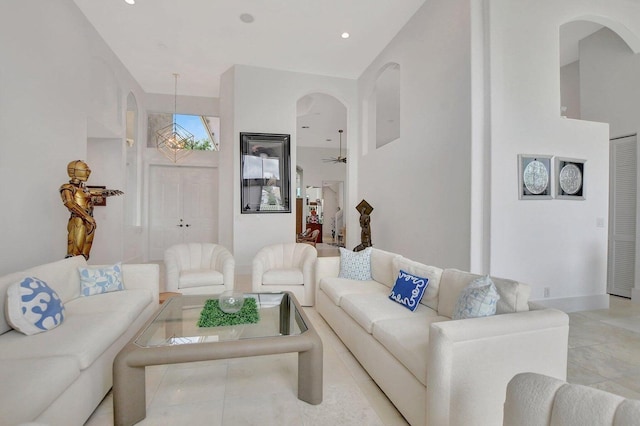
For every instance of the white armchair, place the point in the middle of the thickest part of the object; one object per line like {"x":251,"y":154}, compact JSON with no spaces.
{"x":199,"y":268}
{"x":286,"y":267}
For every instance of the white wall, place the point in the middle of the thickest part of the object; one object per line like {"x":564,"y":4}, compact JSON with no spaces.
{"x":570,"y":90}
{"x":420,"y":184}
{"x":107,"y":169}
{"x":265,"y":101}
{"x":49,"y":61}
{"x":552,"y":243}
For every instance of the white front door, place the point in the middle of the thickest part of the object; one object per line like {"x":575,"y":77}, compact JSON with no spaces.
{"x":622,"y":214}
{"x":183,"y":202}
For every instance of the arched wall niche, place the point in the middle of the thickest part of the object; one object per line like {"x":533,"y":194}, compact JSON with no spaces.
{"x":382,"y":108}
{"x":629,"y":37}
{"x":570,"y":35}
{"x":132,"y":183}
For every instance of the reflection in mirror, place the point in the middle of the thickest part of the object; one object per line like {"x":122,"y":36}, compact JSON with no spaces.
{"x":264,"y":172}
{"x":387,"y":101}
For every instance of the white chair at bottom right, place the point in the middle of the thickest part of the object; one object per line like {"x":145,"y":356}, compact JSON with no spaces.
{"x":286,"y":267}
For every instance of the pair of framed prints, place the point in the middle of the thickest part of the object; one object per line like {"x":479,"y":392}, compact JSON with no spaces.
{"x":547,"y":176}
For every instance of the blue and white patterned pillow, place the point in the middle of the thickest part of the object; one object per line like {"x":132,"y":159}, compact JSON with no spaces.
{"x":33,"y":306}
{"x":408,"y":290}
{"x":478,"y":299}
{"x":355,"y":265}
{"x":98,"y":280}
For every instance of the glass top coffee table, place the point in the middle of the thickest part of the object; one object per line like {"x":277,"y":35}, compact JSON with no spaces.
{"x":172,"y":336}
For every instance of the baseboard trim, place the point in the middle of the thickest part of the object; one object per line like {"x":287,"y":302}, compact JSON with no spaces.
{"x":579,"y":303}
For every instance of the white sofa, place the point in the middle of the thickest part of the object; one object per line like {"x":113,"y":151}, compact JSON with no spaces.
{"x":59,"y":377}
{"x":538,"y":400}
{"x":435,"y":370}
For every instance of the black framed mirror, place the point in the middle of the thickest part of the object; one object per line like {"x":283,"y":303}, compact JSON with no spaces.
{"x":265,"y":173}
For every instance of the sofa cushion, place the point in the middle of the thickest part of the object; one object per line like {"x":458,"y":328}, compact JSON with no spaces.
{"x":41,"y":381}
{"x":62,"y":276}
{"x":514,"y":296}
{"x":408,"y":290}
{"x":91,"y":325}
{"x":33,"y":306}
{"x":199,"y":277}
{"x":367,"y":309}
{"x":100,"y":279}
{"x":336,"y":288}
{"x":478,"y":299}
{"x":382,"y":267}
{"x":430,"y":296}
{"x":291,"y":276}
{"x":355,"y":265}
{"x":407,"y":339}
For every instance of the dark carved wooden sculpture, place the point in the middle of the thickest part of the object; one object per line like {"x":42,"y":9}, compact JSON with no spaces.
{"x":365,"y":210}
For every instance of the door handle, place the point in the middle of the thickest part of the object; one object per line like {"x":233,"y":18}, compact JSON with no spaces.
{"x":187,"y":225}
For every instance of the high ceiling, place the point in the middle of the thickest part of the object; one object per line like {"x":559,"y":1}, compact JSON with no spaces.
{"x":201,"y":39}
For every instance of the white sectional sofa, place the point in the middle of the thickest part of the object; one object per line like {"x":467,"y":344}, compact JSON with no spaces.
{"x":537,"y":400}
{"x":438,"y":371}
{"x":59,"y":377}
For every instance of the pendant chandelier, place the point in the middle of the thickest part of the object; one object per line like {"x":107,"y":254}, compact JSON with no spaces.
{"x":174,"y":141}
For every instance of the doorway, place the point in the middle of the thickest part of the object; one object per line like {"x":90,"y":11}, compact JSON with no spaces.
{"x":183,"y":202}
{"x":622,"y":214}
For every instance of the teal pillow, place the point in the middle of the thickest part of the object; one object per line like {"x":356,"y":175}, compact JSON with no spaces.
{"x":408,"y":290}
{"x":478,"y":299}
{"x":98,"y":280}
{"x":355,"y":265}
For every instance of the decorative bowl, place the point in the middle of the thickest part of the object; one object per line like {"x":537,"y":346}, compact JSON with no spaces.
{"x":231,"y":302}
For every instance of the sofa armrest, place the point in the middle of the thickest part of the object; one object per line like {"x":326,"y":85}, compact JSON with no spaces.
{"x":471,"y":361}
{"x":142,"y":276}
{"x":326,"y":267}
{"x":226,"y":264}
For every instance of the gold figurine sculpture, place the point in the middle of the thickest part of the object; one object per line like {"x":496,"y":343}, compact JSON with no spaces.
{"x":80,"y":201}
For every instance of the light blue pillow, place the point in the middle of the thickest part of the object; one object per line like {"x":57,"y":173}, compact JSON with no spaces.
{"x":478,"y":299}
{"x":33,"y":306}
{"x":98,"y":280}
{"x":408,"y":290}
{"x":355,"y":265}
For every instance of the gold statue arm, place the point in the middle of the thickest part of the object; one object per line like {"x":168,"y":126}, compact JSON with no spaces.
{"x":71,"y":204}
{"x":97,"y":192}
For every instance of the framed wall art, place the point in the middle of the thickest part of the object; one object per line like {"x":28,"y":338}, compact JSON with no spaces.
{"x":264,"y":173}
{"x":569,"y":178}
{"x":534,"y":177}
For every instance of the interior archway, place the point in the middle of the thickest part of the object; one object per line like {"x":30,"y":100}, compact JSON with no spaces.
{"x":322,"y":153}
{"x":599,"y":83}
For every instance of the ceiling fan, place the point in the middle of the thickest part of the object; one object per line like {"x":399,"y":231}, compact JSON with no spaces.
{"x":339,"y":158}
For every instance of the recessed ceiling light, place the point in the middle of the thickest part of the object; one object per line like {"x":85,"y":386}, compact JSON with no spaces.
{"x":130,"y":1}
{"x":345,"y":35}
{"x":247,"y":18}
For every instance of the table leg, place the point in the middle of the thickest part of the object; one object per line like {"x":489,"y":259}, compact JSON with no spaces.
{"x":310,"y":373}
{"x":129,"y":399}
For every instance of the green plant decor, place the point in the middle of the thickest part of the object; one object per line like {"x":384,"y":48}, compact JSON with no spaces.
{"x":213,"y":316}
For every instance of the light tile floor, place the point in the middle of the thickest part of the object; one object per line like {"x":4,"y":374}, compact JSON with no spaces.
{"x":604,"y":348}
{"x":604,"y":352}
